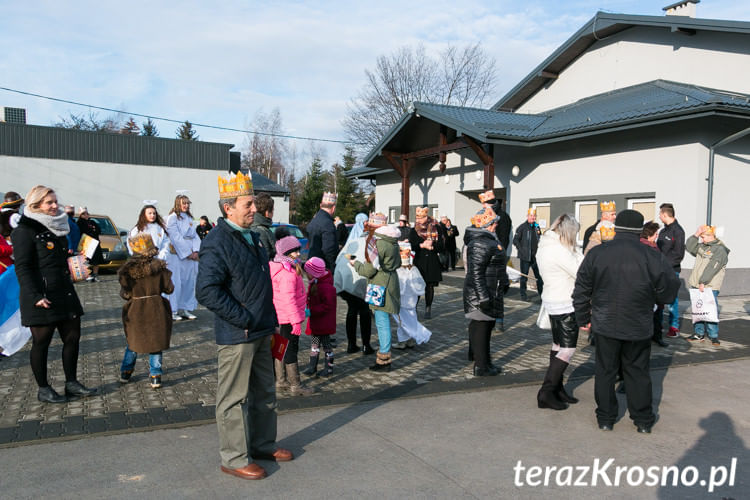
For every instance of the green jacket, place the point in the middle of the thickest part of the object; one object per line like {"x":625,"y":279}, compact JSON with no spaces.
{"x":710,"y":262}
{"x":386,"y":276}
{"x":262,"y":227}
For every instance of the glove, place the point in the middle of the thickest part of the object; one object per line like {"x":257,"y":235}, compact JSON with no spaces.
{"x":297,"y":329}
{"x":307,"y":312}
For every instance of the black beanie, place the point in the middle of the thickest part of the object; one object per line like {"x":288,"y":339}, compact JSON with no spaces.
{"x":629,"y":220}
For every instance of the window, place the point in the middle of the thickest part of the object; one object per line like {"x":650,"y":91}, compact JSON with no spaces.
{"x":542,"y":215}
{"x":586,"y":212}
{"x":646,"y":206}
{"x":392,"y":217}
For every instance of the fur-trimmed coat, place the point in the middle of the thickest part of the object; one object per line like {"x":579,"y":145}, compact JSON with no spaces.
{"x":146,"y":316}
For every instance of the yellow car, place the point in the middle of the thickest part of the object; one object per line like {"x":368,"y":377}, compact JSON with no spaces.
{"x":114,"y":251}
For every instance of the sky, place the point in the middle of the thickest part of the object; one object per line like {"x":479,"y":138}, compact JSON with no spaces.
{"x":221,"y":63}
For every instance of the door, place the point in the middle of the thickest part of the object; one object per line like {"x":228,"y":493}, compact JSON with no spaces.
{"x":586,"y":212}
{"x":542,"y":215}
{"x":646,"y":206}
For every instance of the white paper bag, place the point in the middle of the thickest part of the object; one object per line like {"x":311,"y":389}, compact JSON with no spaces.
{"x":703,"y":306}
{"x":542,"y":321}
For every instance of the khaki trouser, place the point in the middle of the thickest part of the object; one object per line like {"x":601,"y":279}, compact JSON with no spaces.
{"x":245,"y":402}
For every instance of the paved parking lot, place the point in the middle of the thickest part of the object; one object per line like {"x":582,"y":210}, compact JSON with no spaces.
{"x":189,"y":382}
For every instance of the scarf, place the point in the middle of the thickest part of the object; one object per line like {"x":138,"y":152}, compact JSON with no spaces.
{"x":58,"y":224}
{"x":289,"y":263}
{"x":428,"y":230}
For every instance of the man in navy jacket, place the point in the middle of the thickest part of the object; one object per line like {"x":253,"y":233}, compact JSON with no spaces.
{"x":321,"y":232}
{"x":234,"y":283}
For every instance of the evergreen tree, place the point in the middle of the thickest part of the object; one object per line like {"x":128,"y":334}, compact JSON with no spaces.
{"x":308,"y":203}
{"x":351,"y":200}
{"x":186,"y":132}
{"x":130,"y":128}
{"x":149,"y":128}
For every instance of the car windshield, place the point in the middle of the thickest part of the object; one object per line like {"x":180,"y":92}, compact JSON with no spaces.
{"x":105,"y":226}
{"x":295,"y":231}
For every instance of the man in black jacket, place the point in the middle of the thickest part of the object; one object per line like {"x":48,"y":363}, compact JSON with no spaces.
{"x":671,"y":242}
{"x":235,"y":284}
{"x":504,"y":224}
{"x":321,"y":232}
{"x":616,"y":288}
{"x":526,"y":242}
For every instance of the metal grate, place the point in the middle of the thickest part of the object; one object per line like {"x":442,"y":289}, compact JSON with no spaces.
{"x":15,"y":115}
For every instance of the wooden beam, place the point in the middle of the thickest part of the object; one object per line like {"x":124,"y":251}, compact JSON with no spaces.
{"x":489,"y":174}
{"x":443,"y":142}
{"x":483,"y":157}
{"x":406,"y":166}
{"x":548,"y":74}
{"x":389,"y":155}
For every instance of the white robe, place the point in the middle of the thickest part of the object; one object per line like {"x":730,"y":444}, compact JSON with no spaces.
{"x":412,"y":287}
{"x":158,"y":234}
{"x":183,"y":241}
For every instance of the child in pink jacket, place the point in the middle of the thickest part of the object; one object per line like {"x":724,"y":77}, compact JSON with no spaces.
{"x":289,"y":301}
{"x":321,"y":301}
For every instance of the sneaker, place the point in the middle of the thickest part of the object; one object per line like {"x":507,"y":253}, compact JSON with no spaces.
{"x":189,"y":315}
{"x":155,"y":381}
{"x":673,"y":332}
{"x":399,"y":345}
{"x":176,"y":317}
{"x":125,"y":376}
{"x":91,"y":278}
{"x":695,"y":338}
{"x":715,"y":342}
{"x":411,"y":343}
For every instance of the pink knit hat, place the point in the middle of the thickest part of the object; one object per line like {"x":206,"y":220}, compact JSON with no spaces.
{"x":315,"y":267}
{"x":287,"y":244}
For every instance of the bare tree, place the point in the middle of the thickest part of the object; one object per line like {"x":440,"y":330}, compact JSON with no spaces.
{"x":92,"y":123}
{"x":264,"y":153}
{"x":458,"y":76}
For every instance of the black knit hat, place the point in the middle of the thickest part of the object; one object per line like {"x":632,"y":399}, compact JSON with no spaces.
{"x":629,"y":220}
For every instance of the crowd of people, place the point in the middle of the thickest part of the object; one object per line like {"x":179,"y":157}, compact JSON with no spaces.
{"x":614,"y":290}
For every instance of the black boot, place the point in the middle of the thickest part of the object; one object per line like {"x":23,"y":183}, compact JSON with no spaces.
{"x":428,"y":312}
{"x":328,"y":368}
{"x":657,"y":336}
{"x":48,"y":395}
{"x":546,"y":397}
{"x":77,"y":389}
{"x":352,"y":348}
{"x":312,"y":369}
{"x":561,"y":393}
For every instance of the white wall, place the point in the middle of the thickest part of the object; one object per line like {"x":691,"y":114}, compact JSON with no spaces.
{"x":281,"y":209}
{"x":116,"y":190}
{"x":638,"y":55}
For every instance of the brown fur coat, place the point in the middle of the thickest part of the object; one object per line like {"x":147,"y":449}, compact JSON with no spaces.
{"x":146,"y":316}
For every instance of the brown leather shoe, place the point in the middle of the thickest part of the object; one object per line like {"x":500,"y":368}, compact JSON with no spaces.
{"x":280,"y":455}
{"x":250,"y":471}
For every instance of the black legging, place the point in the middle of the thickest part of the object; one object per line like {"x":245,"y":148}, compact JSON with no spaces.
{"x":479,"y":341}
{"x":70,"y":333}
{"x":429,"y":294}
{"x":357,"y":307}
{"x":290,"y":357}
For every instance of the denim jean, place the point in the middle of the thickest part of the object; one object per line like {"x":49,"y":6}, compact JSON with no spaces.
{"x":703,"y":327}
{"x":154,"y":362}
{"x":674,"y":311}
{"x":383,"y":325}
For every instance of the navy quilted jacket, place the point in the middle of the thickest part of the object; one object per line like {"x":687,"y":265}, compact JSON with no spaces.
{"x":235,"y":284}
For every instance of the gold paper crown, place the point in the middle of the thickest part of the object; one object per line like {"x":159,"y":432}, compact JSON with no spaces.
{"x":484,"y":218}
{"x":377,"y":219}
{"x":236,"y":185}
{"x":531,"y":211}
{"x":141,"y":243}
{"x":608,"y":206}
{"x":607,"y":233}
{"x":709,"y":230}
{"x":330,"y":198}
{"x":486,"y":196}
{"x":423,"y":211}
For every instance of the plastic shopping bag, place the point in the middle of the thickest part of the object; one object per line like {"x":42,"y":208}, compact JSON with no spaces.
{"x":703,"y":305}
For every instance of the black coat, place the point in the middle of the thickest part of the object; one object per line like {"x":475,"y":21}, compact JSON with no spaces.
{"x":526,"y":240}
{"x":671,"y":243}
{"x":451,"y":233}
{"x":91,"y":228}
{"x":617,"y":286}
{"x":427,"y":261}
{"x":42,"y":268}
{"x":321,"y":233}
{"x":504,"y":227}
{"x":486,"y":279}
{"x":234,"y":282}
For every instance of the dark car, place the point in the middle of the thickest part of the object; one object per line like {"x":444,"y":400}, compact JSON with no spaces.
{"x":297,"y":233}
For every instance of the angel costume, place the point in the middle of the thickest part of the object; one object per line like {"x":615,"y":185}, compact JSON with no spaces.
{"x":183,"y":241}
{"x":412,"y":286}
{"x":158,"y":235}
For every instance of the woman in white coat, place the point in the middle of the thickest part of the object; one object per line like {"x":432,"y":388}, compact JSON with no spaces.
{"x":558,"y":258}
{"x":149,"y":221}
{"x":182,"y":258}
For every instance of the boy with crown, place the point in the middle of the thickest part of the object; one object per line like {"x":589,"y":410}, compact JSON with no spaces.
{"x":146,"y":316}
{"x":235,"y":284}
{"x":321,"y":232}
{"x":526,"y":241}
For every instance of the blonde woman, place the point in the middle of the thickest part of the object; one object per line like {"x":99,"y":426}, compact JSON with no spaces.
{"x":558,"y":258}
{"x":48,"y":299}
{"x":182,"y":258}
